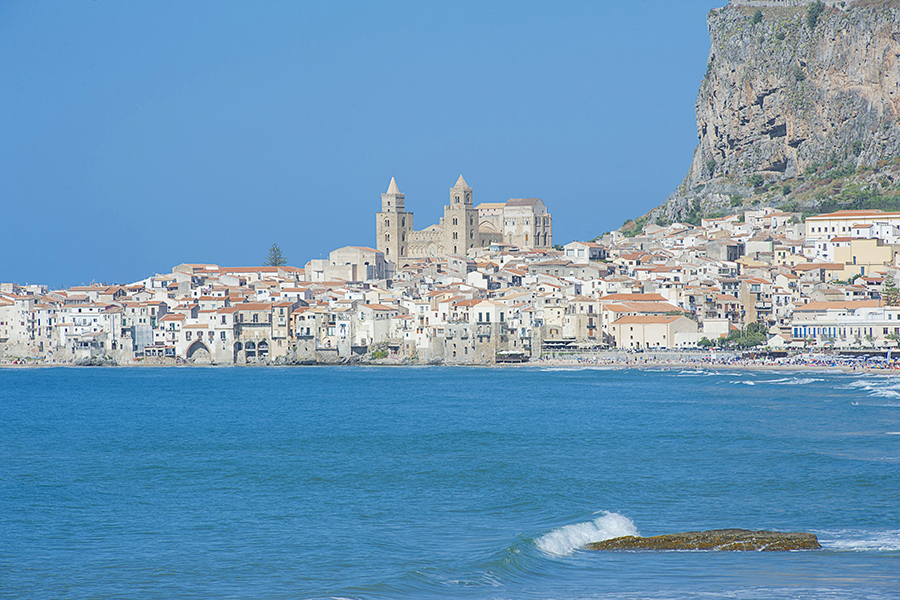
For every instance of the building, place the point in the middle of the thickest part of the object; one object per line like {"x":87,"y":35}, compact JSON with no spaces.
{"x":650,"y":331}
{"x":522,"y":222}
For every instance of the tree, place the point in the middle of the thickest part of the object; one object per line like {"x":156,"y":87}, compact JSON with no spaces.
{"x":890,"y":292}
{"x":812,"y":13}
{"x":275,"y":257}
{"x":705,"y":342}
{"x":757,"y":17}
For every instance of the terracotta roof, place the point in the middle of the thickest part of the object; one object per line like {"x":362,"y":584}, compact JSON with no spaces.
{"x":635,"y":297}
{"x":647,"y":319}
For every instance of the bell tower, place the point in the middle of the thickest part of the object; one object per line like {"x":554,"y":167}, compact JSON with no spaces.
{"x":393,"y":224}
{"x":460,"y":221}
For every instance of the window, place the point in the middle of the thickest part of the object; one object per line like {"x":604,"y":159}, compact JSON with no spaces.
{"x":255,"y":318}
{"x":454,"y":221}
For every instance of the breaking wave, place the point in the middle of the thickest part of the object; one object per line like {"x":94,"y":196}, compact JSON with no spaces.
{"x":565,"y":540}
{"x":793,"y":381}
{"x":885,"y":387}
{"x":856,"y":540}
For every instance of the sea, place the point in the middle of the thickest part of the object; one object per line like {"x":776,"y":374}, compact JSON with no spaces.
{"x":434,"y":482}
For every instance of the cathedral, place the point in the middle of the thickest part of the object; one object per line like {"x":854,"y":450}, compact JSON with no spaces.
{"x":521,"y":222}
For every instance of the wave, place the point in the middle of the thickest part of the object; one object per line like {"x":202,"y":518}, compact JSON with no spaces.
{"x":855,"y":540}
{"x":565,"y":540}
{"x":884,"y":387}
{"x":793,"y":380}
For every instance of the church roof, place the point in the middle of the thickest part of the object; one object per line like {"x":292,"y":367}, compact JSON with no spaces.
{"x":461,"y":183}
{"x":523,"y":201}
{"x":392,"y":188}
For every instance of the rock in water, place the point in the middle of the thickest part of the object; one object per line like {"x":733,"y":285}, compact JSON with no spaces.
{"x":716,"y":539}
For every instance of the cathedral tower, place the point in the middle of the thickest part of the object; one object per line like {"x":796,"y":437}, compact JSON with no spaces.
{"x":460,"y":221}
{"x":393,"y":224}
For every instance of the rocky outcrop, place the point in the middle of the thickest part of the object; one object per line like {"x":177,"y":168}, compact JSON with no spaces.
{"x":96,"y":361}
{"x":783,"y":92}
{"x":717,"y":539}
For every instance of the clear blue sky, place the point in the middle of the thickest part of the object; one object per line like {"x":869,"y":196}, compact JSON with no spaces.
{"x":138,"y":135}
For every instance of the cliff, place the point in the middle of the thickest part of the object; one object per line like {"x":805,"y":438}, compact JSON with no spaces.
{"x":792,"y":92}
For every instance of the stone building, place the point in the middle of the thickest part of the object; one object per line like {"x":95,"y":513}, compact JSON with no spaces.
{"x":523,"y":222}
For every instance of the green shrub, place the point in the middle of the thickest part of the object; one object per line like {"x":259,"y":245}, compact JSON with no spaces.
{"x":756,"y":180}
{"x":780,"y":36}
{"x":799,"y":75}
{"x":757,"y":17}
{"x":813,"y":12}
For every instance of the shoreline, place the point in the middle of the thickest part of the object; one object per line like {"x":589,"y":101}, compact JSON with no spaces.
{"x":555,"y":363}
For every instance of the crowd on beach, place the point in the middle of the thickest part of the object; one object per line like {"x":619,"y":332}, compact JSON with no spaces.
{"x":688,"y":360}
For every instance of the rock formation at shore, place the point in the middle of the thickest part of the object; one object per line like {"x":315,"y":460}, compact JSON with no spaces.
{"x":716,"y":539}
{"x":787,"y":96}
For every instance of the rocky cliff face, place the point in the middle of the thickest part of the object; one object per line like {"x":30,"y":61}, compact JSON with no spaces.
{"x":781,"y":94}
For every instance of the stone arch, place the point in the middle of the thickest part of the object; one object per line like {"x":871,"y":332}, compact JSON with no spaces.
{"x":198,"y":352}
{"x":262,"y":349}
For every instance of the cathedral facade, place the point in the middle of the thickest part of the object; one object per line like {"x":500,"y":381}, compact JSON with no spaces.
{"x":524,"y":223}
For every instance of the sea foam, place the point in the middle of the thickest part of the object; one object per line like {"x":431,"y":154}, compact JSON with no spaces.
{"x":565,"y":540}
{"x":883,"y":387}
{"x":861,"y":541}
{"x":793,"y":381}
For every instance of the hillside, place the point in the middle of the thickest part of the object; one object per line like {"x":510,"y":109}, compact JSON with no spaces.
{"x":798,"y":109}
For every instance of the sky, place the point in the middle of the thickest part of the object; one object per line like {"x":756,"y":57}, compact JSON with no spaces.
{"x":135,"y":136}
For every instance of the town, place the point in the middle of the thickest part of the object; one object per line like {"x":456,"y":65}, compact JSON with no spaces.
{"x":487,"y":285}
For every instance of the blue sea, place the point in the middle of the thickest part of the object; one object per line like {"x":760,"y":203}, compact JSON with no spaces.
{"x":356,"y":482}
